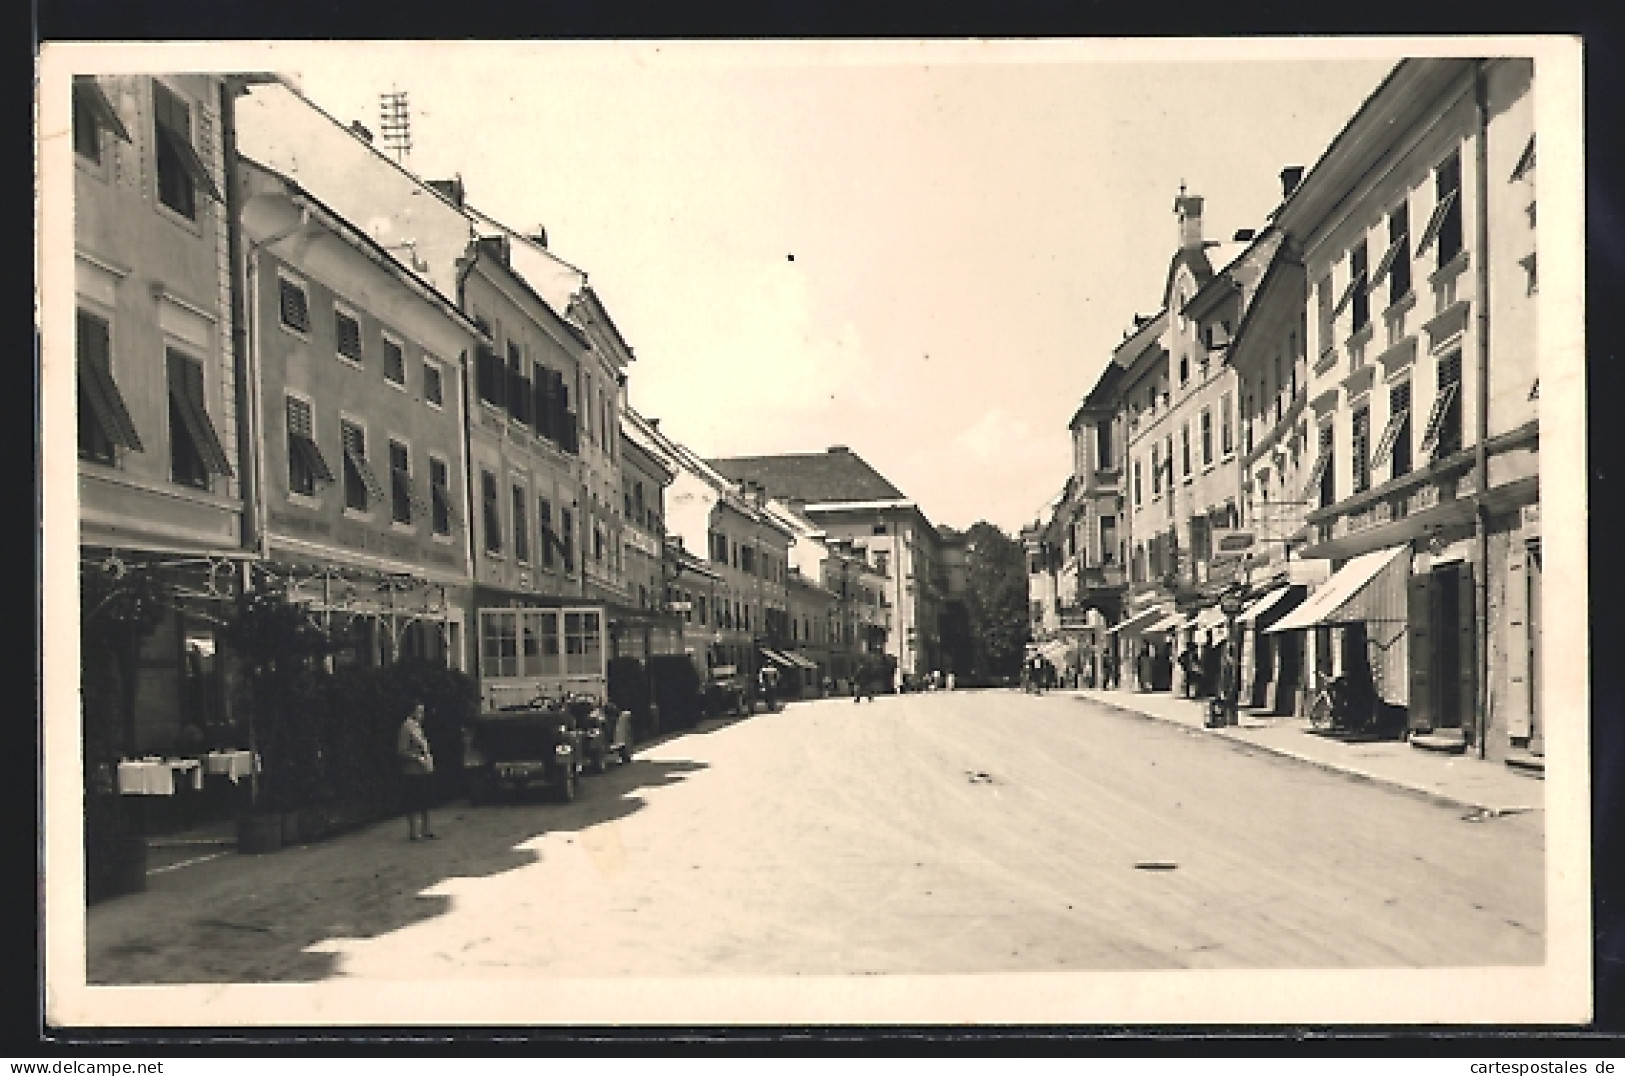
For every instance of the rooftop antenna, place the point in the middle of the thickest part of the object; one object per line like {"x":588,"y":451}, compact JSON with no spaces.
{"x":395,"y":123}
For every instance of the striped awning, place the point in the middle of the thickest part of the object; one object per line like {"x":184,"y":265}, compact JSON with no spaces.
{"x":1138,"y":621}
{"x":1327,"y":605}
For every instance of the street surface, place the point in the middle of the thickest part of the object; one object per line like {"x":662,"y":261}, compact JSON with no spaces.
{"x":943,"y":833}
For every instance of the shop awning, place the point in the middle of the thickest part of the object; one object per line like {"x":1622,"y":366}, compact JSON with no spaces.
{"x":1327,"y":605}
{"x":1138,"y":621}
{"x":1171,"y":622}
{"x":777,"y":658}
{"x":797,"y":659}
{"x":1263,"y":605}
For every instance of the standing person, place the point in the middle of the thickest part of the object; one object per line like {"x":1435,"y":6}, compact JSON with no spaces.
{"x":1210,"y":667}
{"x":1227,"y":684}
{"x":417,"y":764}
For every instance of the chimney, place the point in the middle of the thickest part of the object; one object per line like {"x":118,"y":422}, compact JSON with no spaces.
{"x":1245,"y":235}
{"x":1291,"y":176}
{"x":360,"y":130}
{"x":1188,"y":207}
{"x":838,"y":449}
{"x":451,"y":188}
{"x":539,"y":237}
{"x":654,"y":423}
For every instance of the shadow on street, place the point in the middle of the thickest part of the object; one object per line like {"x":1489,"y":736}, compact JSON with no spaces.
{"x":253,"y":918}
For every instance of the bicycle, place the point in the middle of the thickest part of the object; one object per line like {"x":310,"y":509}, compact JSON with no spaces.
{"x":1335,"y":707}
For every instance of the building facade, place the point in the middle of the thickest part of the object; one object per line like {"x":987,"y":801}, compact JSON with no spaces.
{"x":161,"y":387}
{"x":358,"y":481}
{"x":1417,"y":228}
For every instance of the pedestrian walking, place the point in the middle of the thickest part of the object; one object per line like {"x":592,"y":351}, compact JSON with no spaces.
{"x":417,"y":766}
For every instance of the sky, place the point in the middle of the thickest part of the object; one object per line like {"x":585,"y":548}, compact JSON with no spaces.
{"x":922,"y":251}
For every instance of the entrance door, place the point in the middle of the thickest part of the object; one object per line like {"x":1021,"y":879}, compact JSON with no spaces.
{"x":1447,"y":654}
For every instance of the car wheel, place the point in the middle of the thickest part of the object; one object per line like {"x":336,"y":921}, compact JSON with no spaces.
{"x":626,"y":754}
{"x":567,"y":786}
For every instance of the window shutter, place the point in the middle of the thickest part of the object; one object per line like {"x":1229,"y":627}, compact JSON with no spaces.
{"x":186,"y":388}
{"x":1515,"y":644}
{"x":1466,"y":645}
{"x":1419,"y":613}
{"x":96,"y":382}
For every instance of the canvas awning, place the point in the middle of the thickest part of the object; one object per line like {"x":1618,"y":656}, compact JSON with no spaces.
{"x":1263,"y":605}
{"x":805,"y":663}
{"x":1171,"y":622}
{"x":1138,"y":621}
{"x":1331,"y":603}
{"x":777,"y":658}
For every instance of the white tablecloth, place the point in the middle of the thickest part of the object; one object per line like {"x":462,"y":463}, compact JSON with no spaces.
{"x":156,"y":777}
{"x":233,"y":764}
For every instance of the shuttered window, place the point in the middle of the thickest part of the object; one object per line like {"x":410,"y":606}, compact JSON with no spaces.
{"x":394,"y":362}
{"x":93,"y":113}
{"x":181,"y":173}
{"x":433,"y":389}
{"x":104,"y":421}
{"x":521,"y":524}
{"x":442,"y":509}
{"x":491,"y":512}
{"x":1396,"y":436}
{"x":1362,"y":448}
{"x":548,"y":538}
{"x":1443,"y":433}
{"x":306,"y":465}
{"x":402,"y":501}
{"x":293,"y":306}
{"x":195,"y":448}
{"x":347,"y":336}
{"x":361,"y":485}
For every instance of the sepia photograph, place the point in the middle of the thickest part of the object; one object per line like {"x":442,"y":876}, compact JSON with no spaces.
{"x":814,"y":532}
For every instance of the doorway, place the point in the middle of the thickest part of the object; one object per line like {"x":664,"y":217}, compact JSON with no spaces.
{"x":1447,"y":648}
{"x":1532,"y":582}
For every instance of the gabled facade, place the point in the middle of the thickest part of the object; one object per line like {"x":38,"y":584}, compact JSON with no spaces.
{"x":1417,"y":229}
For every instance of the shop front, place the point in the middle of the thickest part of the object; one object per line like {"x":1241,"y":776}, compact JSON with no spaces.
{"x":1356,"y":627}
{"x":1271,"y":664}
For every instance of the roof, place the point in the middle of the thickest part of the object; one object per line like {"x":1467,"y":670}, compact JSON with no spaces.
{"x":836,"y":475}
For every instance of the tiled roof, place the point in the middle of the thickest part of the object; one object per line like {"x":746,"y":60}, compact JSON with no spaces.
{"x":836,"y":475}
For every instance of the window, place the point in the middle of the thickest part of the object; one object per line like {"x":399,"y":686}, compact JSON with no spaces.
{"x":1184,"y":367}
{"x":1227,"y":434}
{"x":567,"y":539}
{"x":1137,"y":491}
{"x":546,"y":539}
{"x":1396,"y":260}
{"x":360,"y":484}
{"x":747,"y":559}
{"x":1325,"y":316}
{"x":181,"y":174}
{"x":1361,"y":448}
{"x":1396,"y":438}
{"x":347,"y":336}
{"x":293,"y":305}
{"x":883,"y":561}
{"x":1444,"y":226}
{"x":490,"y":380}
{"x":499,"y":643}
{"x":400,"y":483}
{"x":491,"y":515}
{"x":1156,"y":472}
{"x":1103,"y":446}
{"x":195,"y":451}
{"x":394,"y":362}
{"x":1207,"y":437}
{"x":434,"y":392}
{"x":521,"y":524}
{"x":519,"y":395}
{"x":1362,"y":297}
{"x":93,"y":113}
{"x":1443,"y":433}
{"x":104,"y":421}
{"x":440,"y":496}
{"x":306,"y":465}
{"x":1185,"y":449}
{"x":1326,"y":475}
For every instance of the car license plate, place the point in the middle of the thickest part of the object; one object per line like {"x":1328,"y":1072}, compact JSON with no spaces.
{"x":520,"y":769}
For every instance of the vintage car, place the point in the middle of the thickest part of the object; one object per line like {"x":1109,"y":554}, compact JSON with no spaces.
{"x":726,"y":692}
{"x":605,"y":730}
{"x":518,"y":749}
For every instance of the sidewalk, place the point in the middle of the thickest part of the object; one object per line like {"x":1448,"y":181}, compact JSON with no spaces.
{"x":1458,"y":780}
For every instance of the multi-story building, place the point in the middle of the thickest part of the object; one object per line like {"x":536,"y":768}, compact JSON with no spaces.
{"x":745,"y":548}
{"x":649,"y":626}
{"x":1417,"y":228}
{"x":161,"y":388}
{"x":357,"y":421}
{"x":849,"y":499}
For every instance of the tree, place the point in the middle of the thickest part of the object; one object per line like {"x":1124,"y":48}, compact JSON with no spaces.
{"x":995,"y":601}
